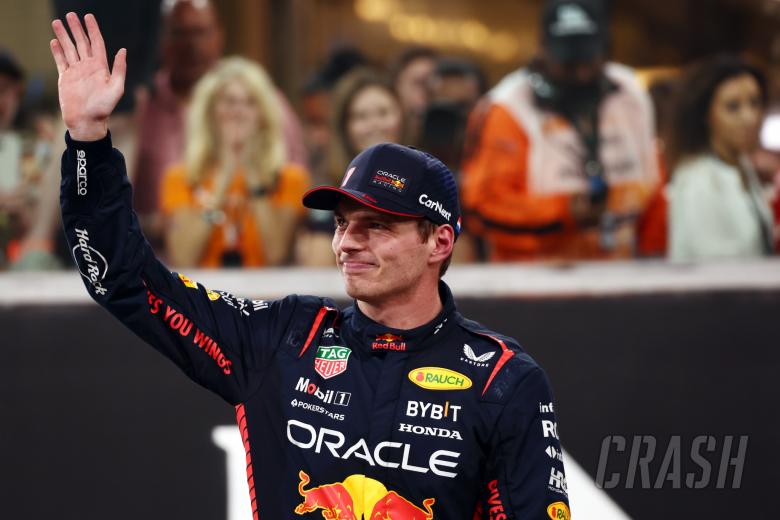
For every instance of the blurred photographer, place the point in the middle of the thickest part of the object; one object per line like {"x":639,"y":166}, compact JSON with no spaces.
{"x":563,"y":161}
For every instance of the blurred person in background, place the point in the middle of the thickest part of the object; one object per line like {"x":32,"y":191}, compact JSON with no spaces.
{"x":192,"y":41}
{"x":767,"y":156}
{"x":455,"y":87}
{"x":717,"y":207}
{"x":564,"y":160}
{"x":365,"y":112}
{"x":236,"y":199}
{"x":25,"y":155}
{"x":457,"y":80}
{"x":315,"y":108}
{"x":411,"y":75}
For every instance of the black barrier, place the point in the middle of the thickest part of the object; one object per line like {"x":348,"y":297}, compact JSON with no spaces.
{"x":96,"y":425}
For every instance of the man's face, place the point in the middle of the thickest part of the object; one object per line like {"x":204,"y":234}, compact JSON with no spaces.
{"x":460,"y":90}
{"x":577,"y":73}
{"x":379,"y":255}
{"x":192,"y":42}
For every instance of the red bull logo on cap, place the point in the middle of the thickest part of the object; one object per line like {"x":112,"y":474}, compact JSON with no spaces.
{"x":359,"y":497}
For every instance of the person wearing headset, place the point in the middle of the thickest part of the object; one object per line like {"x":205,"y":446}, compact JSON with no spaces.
{"x":562,"y":161}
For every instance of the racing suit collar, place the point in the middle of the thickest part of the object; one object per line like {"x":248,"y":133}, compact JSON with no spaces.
{"x":374,"y":337}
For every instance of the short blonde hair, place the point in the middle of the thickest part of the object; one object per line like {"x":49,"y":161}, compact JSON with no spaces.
{"x":267,"y":149}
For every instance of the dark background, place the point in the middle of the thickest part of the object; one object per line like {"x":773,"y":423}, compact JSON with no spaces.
{"x":96,"y":425}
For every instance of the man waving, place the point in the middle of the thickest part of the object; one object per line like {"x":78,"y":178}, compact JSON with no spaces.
{"x":396,"y":407}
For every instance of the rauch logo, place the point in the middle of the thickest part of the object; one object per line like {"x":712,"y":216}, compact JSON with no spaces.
{"x":437,"y":378}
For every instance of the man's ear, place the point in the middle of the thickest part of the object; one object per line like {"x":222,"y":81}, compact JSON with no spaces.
{"x":444,"y":240}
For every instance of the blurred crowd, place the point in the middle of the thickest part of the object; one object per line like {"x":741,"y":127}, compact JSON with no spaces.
{"x":567,"y":158}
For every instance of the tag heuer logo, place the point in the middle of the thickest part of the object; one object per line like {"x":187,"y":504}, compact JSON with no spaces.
{"x":331,"y":361}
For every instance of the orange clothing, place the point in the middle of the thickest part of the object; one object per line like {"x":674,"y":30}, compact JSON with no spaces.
{"x":238,"y":232}
{"x":526,"y":164}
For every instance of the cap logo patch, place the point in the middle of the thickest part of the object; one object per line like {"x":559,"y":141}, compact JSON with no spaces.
{"x":389,"y":181}
{"x":572,"y":21}
{"x":435,"y":205}
{"x":347,"y":176}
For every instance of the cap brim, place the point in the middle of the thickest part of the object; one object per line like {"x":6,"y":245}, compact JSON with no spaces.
{"x":328,"y":197}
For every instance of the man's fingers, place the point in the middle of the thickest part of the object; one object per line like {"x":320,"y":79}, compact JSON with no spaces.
{"x":82,"y":44}
{"x":59,"y":56}
{"x":95,"y":38}
{"x":118,"y":73}
{"x":66,"y":45}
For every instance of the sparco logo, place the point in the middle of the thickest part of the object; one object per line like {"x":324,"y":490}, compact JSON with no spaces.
{"x":434,"y":205}
{"x":91,"y":263}
{"x":81,"y":172}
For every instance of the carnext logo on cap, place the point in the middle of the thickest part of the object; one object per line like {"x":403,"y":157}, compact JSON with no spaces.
{"x":434,"y":205}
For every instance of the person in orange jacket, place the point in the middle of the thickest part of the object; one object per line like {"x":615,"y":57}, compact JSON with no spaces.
{"x":563,"y":162}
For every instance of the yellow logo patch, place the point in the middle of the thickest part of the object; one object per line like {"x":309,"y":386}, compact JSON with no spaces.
{"x":187,"y":282}
{"x":437,"y":378}
{"x":213,"y":295}
{"x":559,"y":511}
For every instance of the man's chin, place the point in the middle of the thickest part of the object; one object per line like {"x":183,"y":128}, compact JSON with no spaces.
{"x":360,"y":290}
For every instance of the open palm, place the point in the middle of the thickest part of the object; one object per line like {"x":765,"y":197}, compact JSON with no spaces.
{"x":88,"y":91}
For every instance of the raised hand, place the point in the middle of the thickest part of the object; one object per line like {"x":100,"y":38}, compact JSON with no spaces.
{"x":88,"y":91}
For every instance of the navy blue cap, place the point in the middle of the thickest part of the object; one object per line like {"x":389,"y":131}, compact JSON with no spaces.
{"x":398,"y":180}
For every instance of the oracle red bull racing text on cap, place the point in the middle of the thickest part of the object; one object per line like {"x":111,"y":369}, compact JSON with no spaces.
{"x":395,"y":179}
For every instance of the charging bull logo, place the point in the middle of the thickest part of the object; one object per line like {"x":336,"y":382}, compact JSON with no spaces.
{"x":337,"y":501}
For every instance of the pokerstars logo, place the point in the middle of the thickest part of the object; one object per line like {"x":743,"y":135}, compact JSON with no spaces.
{"x":331,"y":360}
{"x":434,"y":205}
{"x":81,"y":172}
{"x":91,"y":263}
{"x":388,"y":341}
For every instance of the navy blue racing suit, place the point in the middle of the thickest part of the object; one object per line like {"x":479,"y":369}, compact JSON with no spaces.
{"x":341,"y":416}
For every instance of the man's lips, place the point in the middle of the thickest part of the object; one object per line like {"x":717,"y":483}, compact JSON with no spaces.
{"x":355,"y":266}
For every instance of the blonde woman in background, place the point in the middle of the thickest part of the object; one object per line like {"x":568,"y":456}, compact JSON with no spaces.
{"x":235,"y":201}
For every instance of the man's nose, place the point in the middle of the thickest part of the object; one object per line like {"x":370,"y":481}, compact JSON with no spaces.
{"x":350,"y":239}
